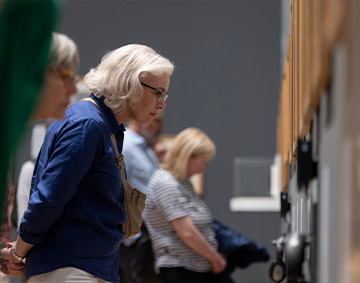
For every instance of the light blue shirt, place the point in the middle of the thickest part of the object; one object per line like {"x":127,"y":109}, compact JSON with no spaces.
{"x":140,"y":160}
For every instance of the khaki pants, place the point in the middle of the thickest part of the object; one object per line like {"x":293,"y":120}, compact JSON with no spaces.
{"x":68,"y":275}
{"x":4,"y":278}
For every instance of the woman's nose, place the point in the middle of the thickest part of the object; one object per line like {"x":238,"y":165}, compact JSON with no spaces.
{"x":162,"y":104}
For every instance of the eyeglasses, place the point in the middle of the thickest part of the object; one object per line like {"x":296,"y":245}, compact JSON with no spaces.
{"x":161,"y":95}
{"x":66,"y":75}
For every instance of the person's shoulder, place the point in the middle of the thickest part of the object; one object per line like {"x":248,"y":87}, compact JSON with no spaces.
{"x":132,"y":155}
{"x":77,"y":122}
{"x":84,"y":110}
{"x":132,"y":139}
{"x":163,"y":177}
{"x":133,"y":145}
{"x":129,"y":145}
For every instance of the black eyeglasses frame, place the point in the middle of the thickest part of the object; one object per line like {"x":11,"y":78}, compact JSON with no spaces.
{"x":161,"y":95}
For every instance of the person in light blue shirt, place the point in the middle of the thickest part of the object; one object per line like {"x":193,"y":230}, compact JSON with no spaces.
{"x":139,"y":154}
{"x":72,"y":227}
{"x":141,"y":161}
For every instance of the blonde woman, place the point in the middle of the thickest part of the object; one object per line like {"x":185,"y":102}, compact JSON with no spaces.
{"x":178,"y":220}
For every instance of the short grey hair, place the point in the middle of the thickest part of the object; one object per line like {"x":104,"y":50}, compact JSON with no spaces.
{"x":63,"y":53}
{"x":119,"y":75}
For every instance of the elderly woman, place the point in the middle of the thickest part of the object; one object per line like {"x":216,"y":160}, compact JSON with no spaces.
{"x":178,"y":220}
{"x":72,"y":227}
{"x":59,"y":81}
{"x":58,"y":86}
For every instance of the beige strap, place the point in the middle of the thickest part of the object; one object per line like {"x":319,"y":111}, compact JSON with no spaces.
{"x":119,"y":159}
{"x":90,"y":100}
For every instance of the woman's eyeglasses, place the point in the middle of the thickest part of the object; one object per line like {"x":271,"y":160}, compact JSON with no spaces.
{"x":161,"y":95}
{"x":66,"y":75}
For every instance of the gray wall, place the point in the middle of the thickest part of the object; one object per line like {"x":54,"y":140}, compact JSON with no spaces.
{"x":226,"y":82}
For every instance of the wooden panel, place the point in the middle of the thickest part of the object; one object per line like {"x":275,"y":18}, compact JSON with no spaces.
{"x":284,"y":124}
{"x":316,"y":47}
{"x":334,"y":17}
{"x":308,"y":108}
{"x":315,"y":27}
{"x":293,"y":80}
{"x":301,"y":66}
{"x":305,"y":109}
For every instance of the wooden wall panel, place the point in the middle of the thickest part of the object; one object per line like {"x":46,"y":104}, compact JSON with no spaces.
{"x":308,"y":108}
{"x":315,"y":26}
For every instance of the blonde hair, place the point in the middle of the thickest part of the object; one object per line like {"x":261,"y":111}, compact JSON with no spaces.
{"x":189,"y":142}
{"x":120,"y":72}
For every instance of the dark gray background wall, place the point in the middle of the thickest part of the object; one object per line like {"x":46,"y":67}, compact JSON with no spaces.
{"x":226,"y":82}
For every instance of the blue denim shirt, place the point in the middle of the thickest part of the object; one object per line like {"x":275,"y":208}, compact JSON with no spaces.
{"x":76,"y":207}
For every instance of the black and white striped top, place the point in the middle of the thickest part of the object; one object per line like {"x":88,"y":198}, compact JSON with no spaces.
{"x":169,"y":199}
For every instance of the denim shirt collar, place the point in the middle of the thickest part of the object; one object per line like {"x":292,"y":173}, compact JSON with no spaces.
{"x":109,"y":116}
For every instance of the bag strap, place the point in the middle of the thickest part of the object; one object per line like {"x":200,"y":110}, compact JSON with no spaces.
{"x":91,"y":100}
{"x":119,"y":160}
{"x":118,"y":157}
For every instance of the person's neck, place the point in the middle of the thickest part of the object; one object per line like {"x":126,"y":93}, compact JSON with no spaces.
{"x":122,"y":117}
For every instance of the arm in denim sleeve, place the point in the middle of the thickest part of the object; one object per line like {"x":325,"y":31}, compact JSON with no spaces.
{"x":72,"y":151}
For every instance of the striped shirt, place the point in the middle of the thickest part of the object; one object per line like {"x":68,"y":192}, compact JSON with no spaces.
{"x":167,"y":200}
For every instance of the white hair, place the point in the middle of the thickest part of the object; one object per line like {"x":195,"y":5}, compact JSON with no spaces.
{"x":120,"y":72}
{"x":63,"y":52}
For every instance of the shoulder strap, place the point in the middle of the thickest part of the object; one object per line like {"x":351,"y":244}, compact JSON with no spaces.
{"x":119,"y":157}
{"x":90,"y":100}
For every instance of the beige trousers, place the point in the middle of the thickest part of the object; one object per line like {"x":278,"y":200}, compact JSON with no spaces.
{"x":68,"y":275}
